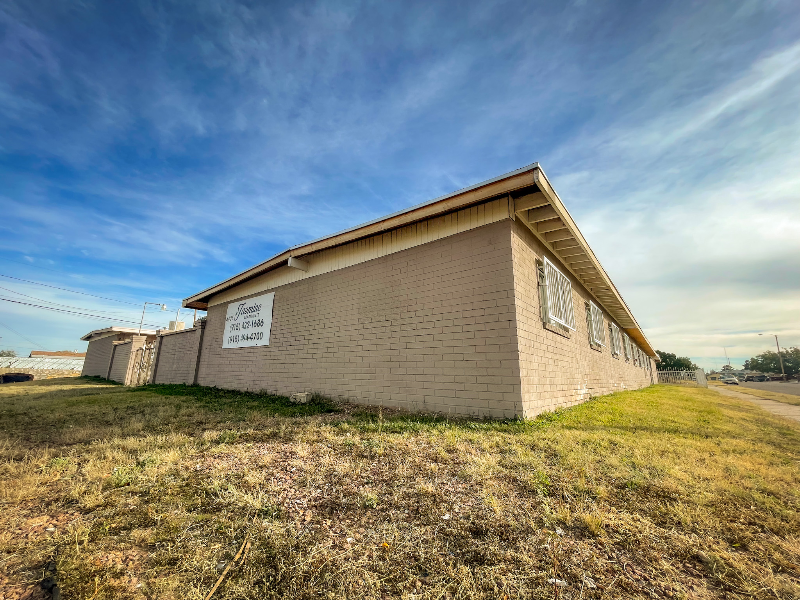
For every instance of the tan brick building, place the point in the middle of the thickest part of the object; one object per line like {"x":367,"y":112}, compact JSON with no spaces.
{"x":109,"y":351}
{"x":487,"y":301}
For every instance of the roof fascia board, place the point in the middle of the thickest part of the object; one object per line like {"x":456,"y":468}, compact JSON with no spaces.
{"x":544,"y":185}
{"x":459,"y":199}
{"x":101,"y":333}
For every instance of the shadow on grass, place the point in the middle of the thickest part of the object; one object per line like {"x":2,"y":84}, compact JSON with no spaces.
{"x":370,"y":419}
{"x":216,"y":399}
{"x":363,"y":418}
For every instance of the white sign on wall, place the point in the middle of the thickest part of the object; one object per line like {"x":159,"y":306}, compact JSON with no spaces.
{"x":249,"y":322}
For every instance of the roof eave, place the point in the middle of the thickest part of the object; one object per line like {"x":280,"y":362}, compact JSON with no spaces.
{"x":592,"y":268}
{"x":443,"y":204}
{"x":590,"y":273}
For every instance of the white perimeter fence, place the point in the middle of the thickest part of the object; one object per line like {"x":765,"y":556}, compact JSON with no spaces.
{"x":696,"y":377}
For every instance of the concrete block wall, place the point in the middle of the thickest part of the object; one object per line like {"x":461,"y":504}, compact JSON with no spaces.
{"x":556,"y":370}
{"x":98,"y":357}
{"x":120,"y":361}
{"x":432,"y":327}
{"x":123,"y":359}
{"x":177,"y":356}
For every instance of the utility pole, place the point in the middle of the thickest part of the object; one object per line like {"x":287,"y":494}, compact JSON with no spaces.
{"x":163,"y":307}
{"x":780,"y":358}
{"x":725,"y":350}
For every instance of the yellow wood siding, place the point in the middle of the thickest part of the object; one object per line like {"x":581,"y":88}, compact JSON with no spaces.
{"x":373,"y":247}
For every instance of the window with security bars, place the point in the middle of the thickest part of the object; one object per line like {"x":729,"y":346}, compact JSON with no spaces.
{"x":556,"y":296}
{"x":626,"y":345}
{"x":597,"y":333}
{"x":616,"y":340}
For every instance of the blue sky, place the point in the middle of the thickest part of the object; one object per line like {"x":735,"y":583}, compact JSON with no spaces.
{"x":151,"y":149}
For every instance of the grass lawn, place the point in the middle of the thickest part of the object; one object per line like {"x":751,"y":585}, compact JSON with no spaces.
{"x":777,"y":396}
{"x":157,"y":492}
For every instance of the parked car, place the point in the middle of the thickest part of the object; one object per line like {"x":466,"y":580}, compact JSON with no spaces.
{"x":729,"y":380}
{"x":756,"y":378}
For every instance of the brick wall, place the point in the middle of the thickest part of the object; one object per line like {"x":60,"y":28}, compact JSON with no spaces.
{"x":177,"y":356}
{"x":98,"y":355}
{"x":556,"y":370}
{"x":428,"y":328}
{"x":120,"y":361}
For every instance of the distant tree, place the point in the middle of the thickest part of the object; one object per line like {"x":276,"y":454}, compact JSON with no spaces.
{"x":767,"y":362}
{"x":671,"y":362}
{"x":7,"y":353}
{"x":727,"y":368}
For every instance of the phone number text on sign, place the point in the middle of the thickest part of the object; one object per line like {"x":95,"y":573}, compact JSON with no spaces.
{"x":248,"y":322}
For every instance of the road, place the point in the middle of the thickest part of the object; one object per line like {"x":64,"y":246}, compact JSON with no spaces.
{"x":784,"y":387}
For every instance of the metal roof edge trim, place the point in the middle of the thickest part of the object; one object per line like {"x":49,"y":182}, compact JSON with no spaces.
{"x":221,"y":286}
{"x":573,"y":226}
{"x":538,"y":173}
{"x":112,"y":329}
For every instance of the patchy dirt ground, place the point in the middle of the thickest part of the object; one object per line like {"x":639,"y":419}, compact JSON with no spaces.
{"x":166,"y":492}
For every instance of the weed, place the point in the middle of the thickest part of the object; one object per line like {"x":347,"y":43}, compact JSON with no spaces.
{"x":122,"y":476}
{"x":592,"y":523}
{"x":368,"y":500}
{"x":227,"y":437}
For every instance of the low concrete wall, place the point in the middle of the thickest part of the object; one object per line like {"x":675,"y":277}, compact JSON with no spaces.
{"x":43,"y":373}
{"x":176,"y":360}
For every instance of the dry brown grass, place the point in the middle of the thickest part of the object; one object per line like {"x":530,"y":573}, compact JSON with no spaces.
{"x":664,"y":492}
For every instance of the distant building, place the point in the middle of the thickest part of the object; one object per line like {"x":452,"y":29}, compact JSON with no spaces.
{"x":102,"y":345}
{"x":57,"y":354}
{"x":44,"y":367}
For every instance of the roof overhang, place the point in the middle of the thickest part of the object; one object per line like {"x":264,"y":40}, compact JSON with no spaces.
{"x":105,"y":332}
{"x":535,"y":203}
{"x":474,"y":194}
{"x":549,"y":220}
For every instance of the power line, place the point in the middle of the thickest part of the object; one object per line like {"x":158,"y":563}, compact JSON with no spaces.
{"x":111,"y":312}
{"x":72,"y":312}
{"x":55,"y":287}
{"x":20,"y":335}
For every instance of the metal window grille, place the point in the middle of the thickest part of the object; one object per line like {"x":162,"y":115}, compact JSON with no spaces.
{"x":626,"y":344}
{"x":616,"y":340}
{"x":597,"y":331}
{"x":696,"y":377}
{"x":558,"y":293}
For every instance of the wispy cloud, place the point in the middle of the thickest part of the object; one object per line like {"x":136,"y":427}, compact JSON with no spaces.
{"x":703,"y":240}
